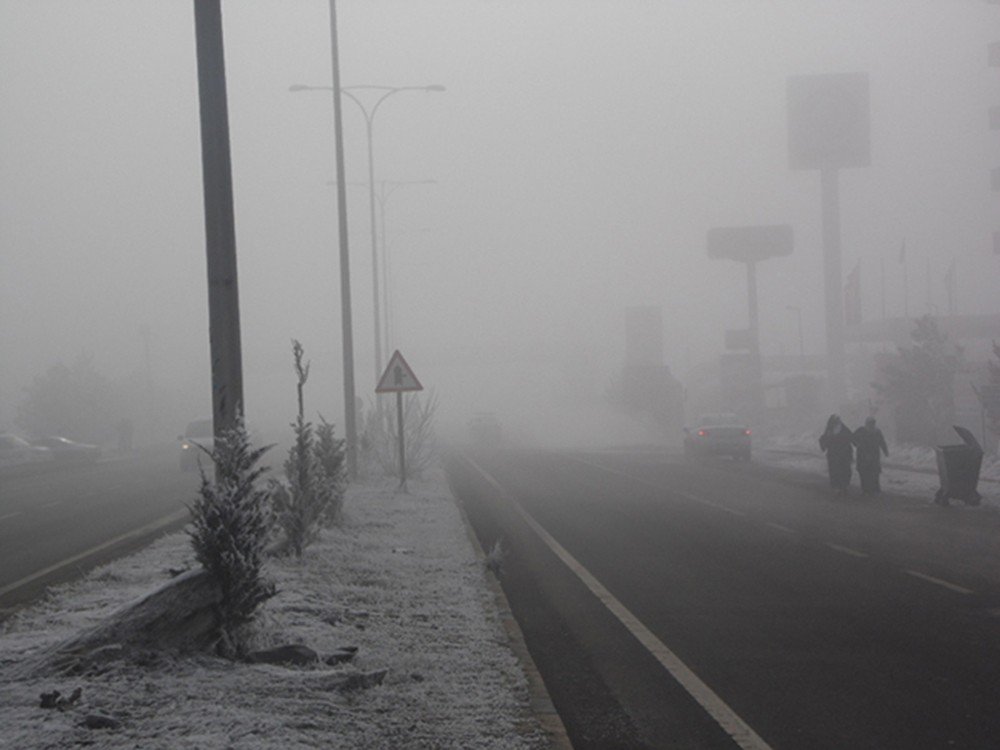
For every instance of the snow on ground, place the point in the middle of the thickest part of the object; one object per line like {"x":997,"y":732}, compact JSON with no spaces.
{"x":909,"y":470}
{"x":400,"y":581}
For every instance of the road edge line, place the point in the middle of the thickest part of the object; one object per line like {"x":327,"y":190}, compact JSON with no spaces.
{"x":149,"y":528}
{"x":730,"y":722}
{"x":539,"y":700}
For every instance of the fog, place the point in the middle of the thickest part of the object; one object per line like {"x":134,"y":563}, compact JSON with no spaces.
{"x":579,"y":154}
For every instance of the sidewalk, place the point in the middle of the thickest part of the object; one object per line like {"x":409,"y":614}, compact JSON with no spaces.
{"x":908,"y":471}
{"x":401,"y":581}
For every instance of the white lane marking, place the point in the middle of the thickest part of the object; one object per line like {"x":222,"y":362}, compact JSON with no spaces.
{"x":779,"y":527}
{"x":10,"y":515}
{"x":148,"y":528}
{"x":846,"y":550}
{"x":726,"y":508}
{"x":837,"y":547}
{"x":931,"y":579}
{"x":730,"y":722}
{"x":678,"y":493}
{"x":51,"y":505}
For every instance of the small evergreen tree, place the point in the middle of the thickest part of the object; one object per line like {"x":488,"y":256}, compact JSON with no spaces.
{"x":331,"y":455}
{"x":919,"y":384}
{"x":230,"y":529}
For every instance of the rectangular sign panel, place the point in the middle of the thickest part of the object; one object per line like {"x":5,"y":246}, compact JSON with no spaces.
{"x":829,"y":121}
{"x":750,"y":244}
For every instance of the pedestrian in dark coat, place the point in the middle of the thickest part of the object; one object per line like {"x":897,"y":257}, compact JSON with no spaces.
{"x":871,"y":446}
{"x":836,"y":442}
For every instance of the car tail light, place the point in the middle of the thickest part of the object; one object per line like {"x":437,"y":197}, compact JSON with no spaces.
{"x":702,"y":433}
{"x":746,"y":432}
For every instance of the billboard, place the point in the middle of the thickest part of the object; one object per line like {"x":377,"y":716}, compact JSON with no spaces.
{"x":829,"y":121}
{"x":750,"y":244}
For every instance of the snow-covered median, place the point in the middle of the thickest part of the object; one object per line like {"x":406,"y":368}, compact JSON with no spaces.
{"x":399,"y":580}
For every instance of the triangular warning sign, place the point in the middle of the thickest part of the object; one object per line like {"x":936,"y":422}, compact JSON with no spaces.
{"x":397,"y":376}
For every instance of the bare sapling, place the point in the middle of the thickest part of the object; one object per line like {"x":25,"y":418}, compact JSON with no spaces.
{"x":306,"y":499}
{"x":381,"y":437}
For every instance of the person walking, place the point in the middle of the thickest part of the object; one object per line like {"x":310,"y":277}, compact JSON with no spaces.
{"x":837,"y":442}
{"x":870,"y":444}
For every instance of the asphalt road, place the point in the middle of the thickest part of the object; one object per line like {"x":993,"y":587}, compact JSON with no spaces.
{"x":56,"y":522}
{"x":815,"y":621}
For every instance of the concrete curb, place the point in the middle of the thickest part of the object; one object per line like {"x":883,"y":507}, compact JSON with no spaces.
{"x":540,"y":701}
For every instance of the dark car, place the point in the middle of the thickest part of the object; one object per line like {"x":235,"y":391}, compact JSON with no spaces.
{"x":719,"y":435}
{"x":198,"y":434}
{"x":64,"y":449}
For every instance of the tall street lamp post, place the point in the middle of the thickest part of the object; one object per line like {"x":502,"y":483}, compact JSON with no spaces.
{"x":347,"y":334}
{"x":369,"y":115}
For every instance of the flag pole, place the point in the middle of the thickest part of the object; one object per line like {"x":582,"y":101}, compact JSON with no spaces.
{"x":906,"y":281}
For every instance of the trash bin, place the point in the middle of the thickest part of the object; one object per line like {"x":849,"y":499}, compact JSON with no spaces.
{"x":958,"y":468}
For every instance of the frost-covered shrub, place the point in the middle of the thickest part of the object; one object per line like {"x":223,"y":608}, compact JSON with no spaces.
{"x":304,"y":499}
{"x":230,"y":526}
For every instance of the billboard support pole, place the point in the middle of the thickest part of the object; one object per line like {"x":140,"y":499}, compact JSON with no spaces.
{"x":833,"y":285}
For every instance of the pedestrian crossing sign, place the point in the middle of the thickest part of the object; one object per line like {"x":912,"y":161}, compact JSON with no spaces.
{"x":398,"y":377}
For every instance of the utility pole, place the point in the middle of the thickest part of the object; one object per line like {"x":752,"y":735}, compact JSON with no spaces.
{"x":220,"y":233}
{"x":346,"y":326}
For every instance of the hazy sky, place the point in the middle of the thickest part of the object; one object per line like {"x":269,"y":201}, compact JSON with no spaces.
{"x":581,"y":152}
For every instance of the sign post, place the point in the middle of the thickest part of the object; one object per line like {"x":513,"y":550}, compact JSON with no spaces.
{"x":399,"y":378}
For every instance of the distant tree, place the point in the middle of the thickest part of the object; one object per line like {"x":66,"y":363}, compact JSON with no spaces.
{"x":918,"y":384}
{"x":76,"y":402}
{"x":989,"y":392}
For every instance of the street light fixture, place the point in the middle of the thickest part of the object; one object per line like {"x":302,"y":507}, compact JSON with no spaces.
{"x":369,"y":115}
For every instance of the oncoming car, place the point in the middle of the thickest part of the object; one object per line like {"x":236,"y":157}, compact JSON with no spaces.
{"x":719,"y":435}
{"x":198,"y":434}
